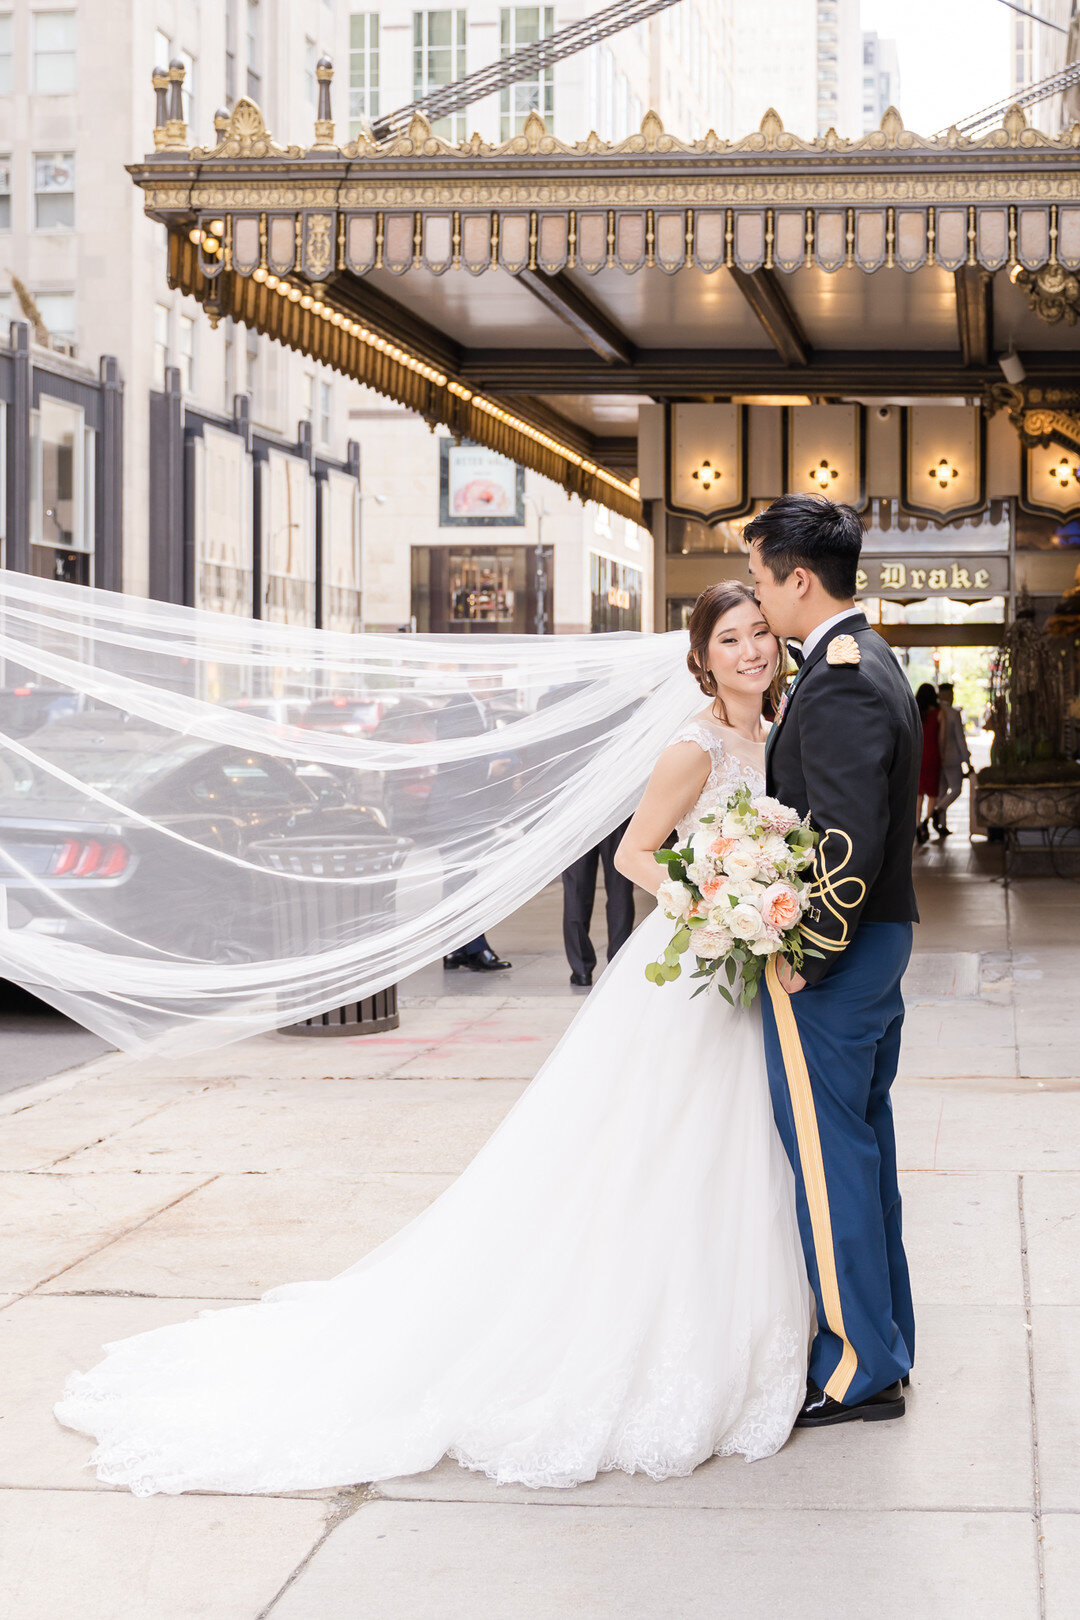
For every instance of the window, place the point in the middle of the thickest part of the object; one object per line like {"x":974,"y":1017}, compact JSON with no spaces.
{"x":54,"y":190}
{"x":57,"y":515}
{"x":622,"y":111}
{"x":5,"y":192}
{"x":6,"y":81}
{"x":309,"y":71}
{"x":162,"y":49}
{"x":253,"y":52}
{"x":519,"y":26}
{"x":363,"y":68}
{"x":53,"y":34}
{"x":230,"y":52}
{"x":57,"y":310}
{"x":161,"y":341}
{"x":7,"y":306}
{"x":607,"y":93}
{"x":253,"y":379}
{"x":439,"y":58}
{"x":185,"y":352}
{"x":188,"y":92}
{"x":325,"y":399}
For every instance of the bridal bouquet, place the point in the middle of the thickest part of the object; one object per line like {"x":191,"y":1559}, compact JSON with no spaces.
{"x":737,"y":893}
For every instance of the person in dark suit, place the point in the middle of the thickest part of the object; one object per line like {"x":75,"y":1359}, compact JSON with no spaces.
{"x":579,"y":878}
{"x":846,"y":750}
{"x":463,"y":715}
{"x":579,"y":897}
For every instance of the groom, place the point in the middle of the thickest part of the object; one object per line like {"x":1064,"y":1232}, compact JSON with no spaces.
{"x":845,"y":748}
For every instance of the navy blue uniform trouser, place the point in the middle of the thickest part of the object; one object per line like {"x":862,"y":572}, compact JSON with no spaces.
{"x":832,"y":1052}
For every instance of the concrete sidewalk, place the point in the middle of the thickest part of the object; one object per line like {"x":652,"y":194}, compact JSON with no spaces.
{"x":137,"y":1193}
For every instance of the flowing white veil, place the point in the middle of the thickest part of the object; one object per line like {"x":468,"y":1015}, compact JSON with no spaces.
{"x":213,"y":826}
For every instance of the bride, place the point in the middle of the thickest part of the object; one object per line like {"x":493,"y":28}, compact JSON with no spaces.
{"x":615,"y":1282}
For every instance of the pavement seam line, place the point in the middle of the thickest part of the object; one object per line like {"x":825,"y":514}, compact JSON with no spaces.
{"x":107,"y":1244}
{"x":1029,"y":1334}
{"x":342,"y":1508}
{"x":131,"y":1124}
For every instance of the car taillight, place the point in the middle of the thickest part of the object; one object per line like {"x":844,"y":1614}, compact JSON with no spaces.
{"x":88,"y":858}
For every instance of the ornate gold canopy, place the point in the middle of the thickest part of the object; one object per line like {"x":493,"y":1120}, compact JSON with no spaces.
{"x":530,"y":294}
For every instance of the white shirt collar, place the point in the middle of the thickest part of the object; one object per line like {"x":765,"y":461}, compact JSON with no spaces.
{"x":822,"y":630}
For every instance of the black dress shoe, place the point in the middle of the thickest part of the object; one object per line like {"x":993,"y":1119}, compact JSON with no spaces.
{"x":581,"y":980}
{"x":486,"y":961}
{"x":922,"y":833}
{"x":819,"y":1410}
{"x":455,"y":959}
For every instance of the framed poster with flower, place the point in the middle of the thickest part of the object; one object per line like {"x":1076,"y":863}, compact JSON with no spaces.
{"x":479,"y":488}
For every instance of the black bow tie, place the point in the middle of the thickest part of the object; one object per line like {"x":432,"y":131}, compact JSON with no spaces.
{"x":796,"y":655}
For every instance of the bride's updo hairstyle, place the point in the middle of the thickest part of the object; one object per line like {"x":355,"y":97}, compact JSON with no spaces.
{"x":709,"y":609}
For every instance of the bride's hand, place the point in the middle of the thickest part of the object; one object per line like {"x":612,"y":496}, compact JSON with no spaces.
{"x":792,"y":982}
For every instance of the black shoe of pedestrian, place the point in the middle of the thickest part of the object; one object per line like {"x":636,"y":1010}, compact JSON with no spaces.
{"x":942,"y":830}
{"x":820,"y":1411}
{"x":486,"y":961}
{"x":581,"y":981}
{"x":906,"y":1380}
{"x":456,"y":959}
{"x":922,"y":833}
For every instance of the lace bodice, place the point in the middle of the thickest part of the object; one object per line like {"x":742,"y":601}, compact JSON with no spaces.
{"x":728,"y":773}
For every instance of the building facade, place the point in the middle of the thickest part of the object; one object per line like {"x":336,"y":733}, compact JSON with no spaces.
{"x":90,"y":272}
{"x":75,"y":102}
{"x":1043,"y":42}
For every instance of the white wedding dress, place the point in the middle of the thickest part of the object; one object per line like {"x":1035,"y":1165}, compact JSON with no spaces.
{"x":616,"y":1281}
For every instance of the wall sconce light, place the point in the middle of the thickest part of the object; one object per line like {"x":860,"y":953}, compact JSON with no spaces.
{"x":822,"y":475}
{"x":1064,"y":471}
{"x":944,"y":473}
{"x":707,"y":475}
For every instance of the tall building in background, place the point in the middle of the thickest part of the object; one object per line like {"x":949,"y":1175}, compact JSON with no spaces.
{"x":803,"y":58}
{"x":76,"y":105}
{"x":1039,"y":51}
{"x":880,"y":78}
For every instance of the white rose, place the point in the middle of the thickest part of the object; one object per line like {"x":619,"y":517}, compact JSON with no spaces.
{"x":745,"y":922}
{"x":733,"y":826}
{"x":675,"y":898}
{"x":741,"y":863}
{"x":711,"y":942}
{"x":701,"y":872}
{"x":766,"y":945}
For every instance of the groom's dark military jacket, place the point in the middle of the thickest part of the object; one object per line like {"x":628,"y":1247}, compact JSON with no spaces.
{"x":847,"y":749}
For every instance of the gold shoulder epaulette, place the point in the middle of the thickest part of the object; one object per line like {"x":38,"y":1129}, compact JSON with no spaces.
{"x":843,"y":650}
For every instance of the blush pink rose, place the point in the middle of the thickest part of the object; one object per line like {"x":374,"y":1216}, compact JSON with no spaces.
{"x":720,"y":846}
{"x":780,"y":906}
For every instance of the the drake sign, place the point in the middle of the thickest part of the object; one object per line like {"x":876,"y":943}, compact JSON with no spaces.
{"x":934,"y":575}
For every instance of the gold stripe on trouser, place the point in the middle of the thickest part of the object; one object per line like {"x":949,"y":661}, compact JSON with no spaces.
{"x":813,"y":1174}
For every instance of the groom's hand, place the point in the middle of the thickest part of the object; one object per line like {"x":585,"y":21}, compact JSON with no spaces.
{"x":792,"y":982}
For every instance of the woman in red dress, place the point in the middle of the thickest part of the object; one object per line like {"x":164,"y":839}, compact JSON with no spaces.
{"x":930,"y":773}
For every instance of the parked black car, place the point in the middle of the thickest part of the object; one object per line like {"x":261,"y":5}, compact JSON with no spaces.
{"x":58,"y":846}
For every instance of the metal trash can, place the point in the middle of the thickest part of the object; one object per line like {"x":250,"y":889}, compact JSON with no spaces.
{"x":321,"y":910}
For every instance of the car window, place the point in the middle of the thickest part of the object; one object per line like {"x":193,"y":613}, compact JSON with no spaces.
{"x":236,"y":780}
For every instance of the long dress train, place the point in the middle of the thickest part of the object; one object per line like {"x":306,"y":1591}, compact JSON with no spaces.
{"x":615,"y":1281}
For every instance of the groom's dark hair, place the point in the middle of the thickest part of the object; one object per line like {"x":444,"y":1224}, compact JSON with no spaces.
{"x":808,"y":531}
